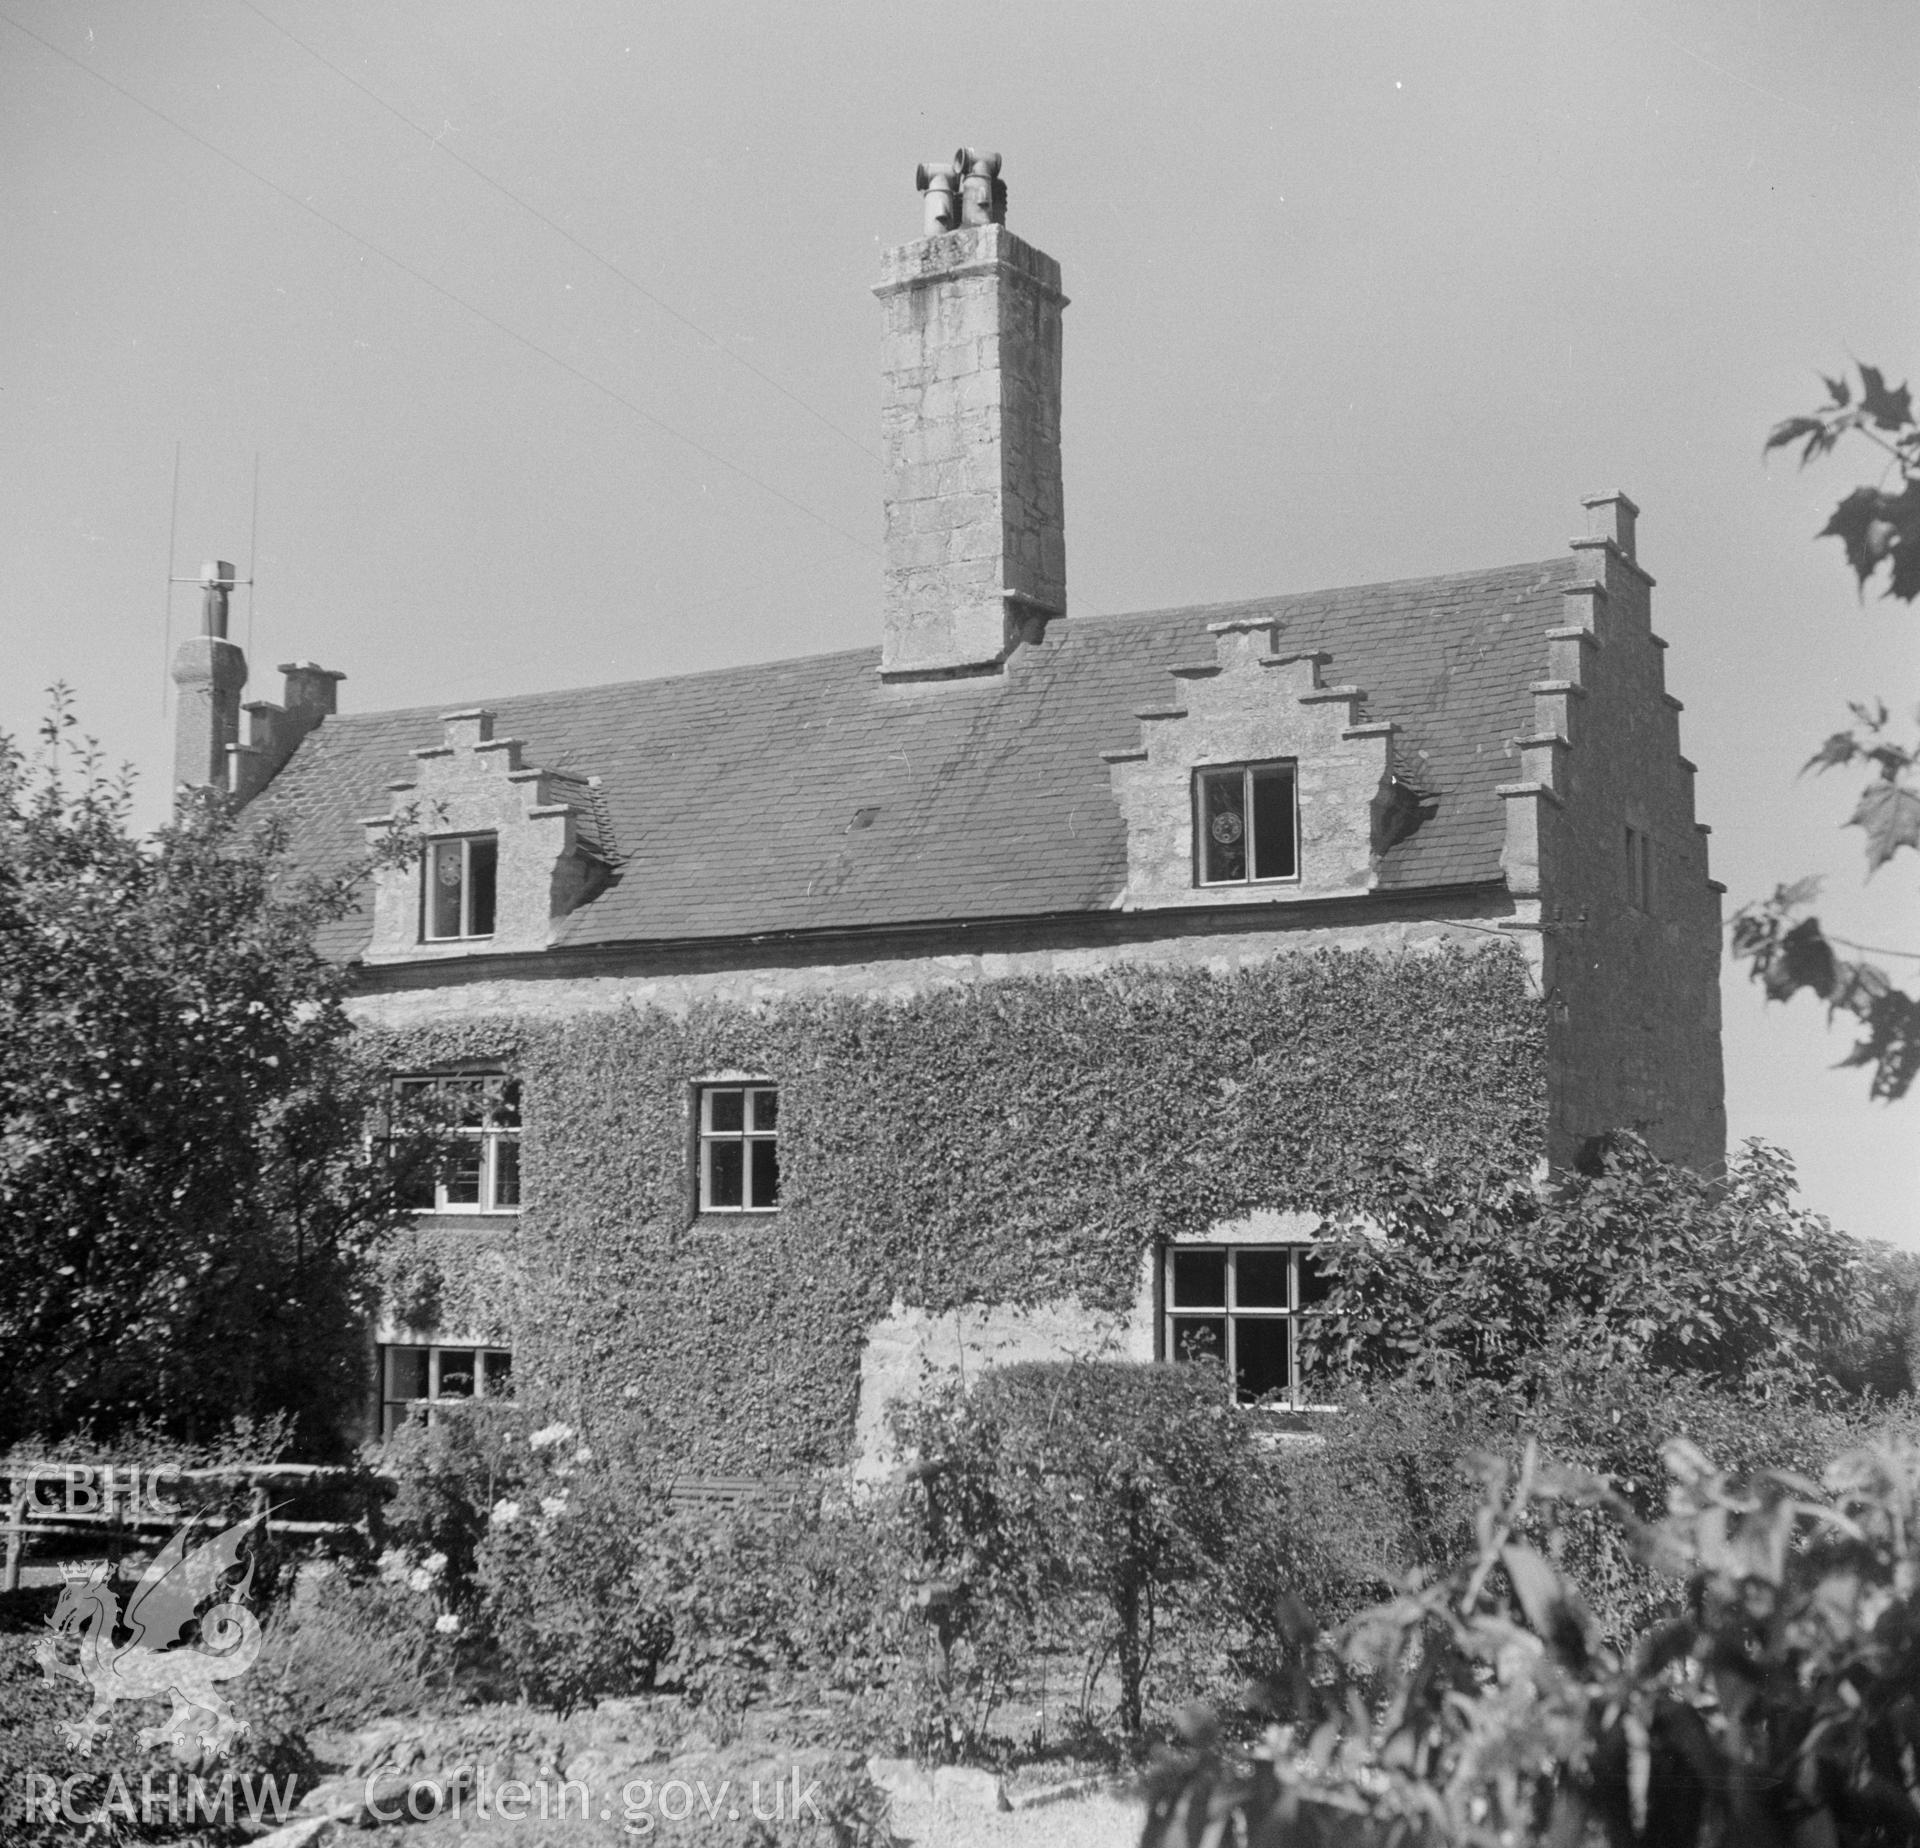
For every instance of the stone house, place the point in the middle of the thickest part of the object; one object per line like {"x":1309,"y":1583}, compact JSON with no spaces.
{"x":1026,"y":985}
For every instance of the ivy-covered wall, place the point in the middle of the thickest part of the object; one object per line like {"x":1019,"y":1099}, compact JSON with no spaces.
{"x":1015,"y":1142}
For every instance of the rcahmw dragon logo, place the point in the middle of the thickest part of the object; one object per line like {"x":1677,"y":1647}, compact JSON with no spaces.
{"x":147,"y":1666}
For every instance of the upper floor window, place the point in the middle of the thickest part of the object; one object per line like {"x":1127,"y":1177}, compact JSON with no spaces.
{"x":1245,"y":1307}
{"x":460,"y":880}
{"x":483,"y":1173}
{"x":739,"y":1148}
{"x":1245,"y":823}
{"x":1639,"y":868}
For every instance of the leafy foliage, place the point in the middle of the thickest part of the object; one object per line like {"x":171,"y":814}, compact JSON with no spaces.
{"x":1638,"y":1263}
{"x":362,"y":1648}
{"x":801,"y":1601}
{"x":1385,"y":1496}
{"x":446,"y":1475}
{"x":1116,"y":1506}
{"x":1789,"y":952}
{"x":269,"y":1763}
{"x":1627,"y":1304}
{"x":186,"y":1194}
{"x":1777,"y":1704}
{"x":561,"y":1576}
{"x":1879,"y":527}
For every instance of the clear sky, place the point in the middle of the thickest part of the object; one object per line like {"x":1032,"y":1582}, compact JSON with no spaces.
{"x":1359,"y":291}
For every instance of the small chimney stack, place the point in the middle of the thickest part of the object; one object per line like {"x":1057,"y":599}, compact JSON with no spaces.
{"x":211,"y":673}
{"x":976,"y":524}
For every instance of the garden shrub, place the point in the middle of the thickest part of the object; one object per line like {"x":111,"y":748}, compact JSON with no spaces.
{"x":1723,"y":1278}
{"x":269,"y":1763}
{"x":1779,"y":1704}
{"x":361,"y":1647}
{"x":1392,"y":1492}
{"x":1123,"y":1510}
{"x":563,"y":1576}
{"x":799,"y":1601}
{"x":446,"y":1476}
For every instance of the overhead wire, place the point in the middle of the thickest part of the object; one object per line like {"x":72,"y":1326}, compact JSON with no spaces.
{"x":560,"y":230}
{"x":439,"y":288}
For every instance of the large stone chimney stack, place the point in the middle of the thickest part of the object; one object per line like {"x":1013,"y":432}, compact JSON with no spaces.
{"x":976,"y":531}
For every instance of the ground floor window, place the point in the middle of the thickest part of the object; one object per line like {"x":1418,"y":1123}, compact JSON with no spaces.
{"x":1245,"y":1308}
{"x":416,"y":1378}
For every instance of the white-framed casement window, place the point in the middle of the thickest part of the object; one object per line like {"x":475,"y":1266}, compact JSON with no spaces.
{"x":1246,"y":824}
{"x":1639,"y":848}
{"x":739,"y":1148}
{"x":482,"y":1174}
{"x":1245,"y":1308}
{"x":417,"y":1377}
{"x":459,"y":880}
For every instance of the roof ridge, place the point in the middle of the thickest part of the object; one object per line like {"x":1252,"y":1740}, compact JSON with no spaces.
{"x":1560,"y":563}
{"x":1080,"y":624}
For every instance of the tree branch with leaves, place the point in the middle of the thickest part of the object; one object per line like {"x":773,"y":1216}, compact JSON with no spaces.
{"x":190,"y":1182}
{"x":1779,"y":937}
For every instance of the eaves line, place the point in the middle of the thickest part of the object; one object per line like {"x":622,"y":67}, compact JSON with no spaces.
{"x":843,"y":944}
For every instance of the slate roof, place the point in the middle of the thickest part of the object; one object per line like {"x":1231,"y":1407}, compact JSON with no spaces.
{"x":730,"y":798}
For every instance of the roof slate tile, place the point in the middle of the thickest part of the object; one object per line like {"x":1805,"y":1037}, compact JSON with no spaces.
{"x":729,"y":795}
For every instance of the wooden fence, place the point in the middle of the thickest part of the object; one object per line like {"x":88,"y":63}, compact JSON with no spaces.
{"x":122,"y":1503}
{"x":117,"y":1514}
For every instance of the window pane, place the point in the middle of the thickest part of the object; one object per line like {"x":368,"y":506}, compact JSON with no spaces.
{"x":766,"y":1109}
{"x":506,"y":1171}
{"x":1273,"y":822}
{"x":1199,"y":1279}
{"x":726,"y":1110}
{"x":765,"y":1173}
{"x":1315,"y":1285}
{"x":483,"y":860}
{"x":505,"y":1111}
{"x":456,"y":1373}
{"x":416,"y":1195}
{"x":406,"y":1373}
{"x":467,"y":1101}
{"x":462,"y":1180}
{"x":498,"y":1374}
{"x":1260,"y":1344}
{"x":1315,"y":1374}
{"x":444,"y":878}
{"x":1260,"y":1278}
{"x":725,"y":1162}
{"x":1223,"y":825}
{"x":1200,"y":1337}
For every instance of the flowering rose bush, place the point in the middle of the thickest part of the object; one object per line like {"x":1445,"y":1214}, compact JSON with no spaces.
{"x":562,"y":1579}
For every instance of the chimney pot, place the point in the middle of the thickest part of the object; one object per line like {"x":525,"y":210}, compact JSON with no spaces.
{"x":216,"y":585}
{"x":940,"y":181}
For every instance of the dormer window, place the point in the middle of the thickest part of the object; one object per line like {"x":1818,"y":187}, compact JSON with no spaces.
{"x":1245,"y":824}
{"x":461,"y":877}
